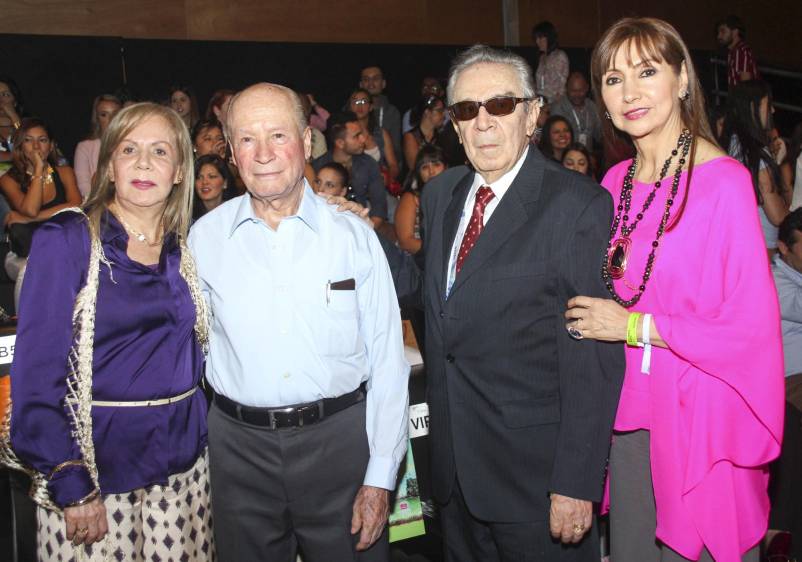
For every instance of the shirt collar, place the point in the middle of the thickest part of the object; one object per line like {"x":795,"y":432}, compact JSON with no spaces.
{"x":110,"y":228}
{"x":501,"y":185}
{"x":789,"y":271}
{"x":307,"y":211}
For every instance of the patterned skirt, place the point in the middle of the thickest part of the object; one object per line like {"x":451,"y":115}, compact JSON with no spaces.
{"x":157,"y":523}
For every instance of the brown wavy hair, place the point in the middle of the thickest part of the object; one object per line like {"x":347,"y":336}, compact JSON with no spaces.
{"x":656,"y":40}
{"x":18,"y":159}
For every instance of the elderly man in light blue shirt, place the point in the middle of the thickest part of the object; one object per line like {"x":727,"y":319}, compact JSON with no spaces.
{"x":309,"y":418}
{"x":787,"y":269}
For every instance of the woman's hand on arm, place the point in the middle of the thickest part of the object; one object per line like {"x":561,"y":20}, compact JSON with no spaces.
{"x":605,"y":320}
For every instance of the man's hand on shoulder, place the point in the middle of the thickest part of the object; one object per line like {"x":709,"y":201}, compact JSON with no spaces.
{"x":344,"y":204}
{"x":569,"y":519}
{"x":371,"y":510}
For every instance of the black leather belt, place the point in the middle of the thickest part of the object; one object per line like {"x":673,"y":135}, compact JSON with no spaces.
{"x":291,"y":416}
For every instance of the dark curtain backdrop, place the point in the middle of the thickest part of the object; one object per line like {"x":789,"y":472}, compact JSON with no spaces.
{"x":59,"y":76}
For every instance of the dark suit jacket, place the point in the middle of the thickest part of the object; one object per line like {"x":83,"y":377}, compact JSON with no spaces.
{"x":518,"y":409}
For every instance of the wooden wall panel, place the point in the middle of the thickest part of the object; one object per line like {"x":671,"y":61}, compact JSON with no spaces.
{"x":164,"y":19}
{"x":772,"y":32}
{"x":443,"y":22}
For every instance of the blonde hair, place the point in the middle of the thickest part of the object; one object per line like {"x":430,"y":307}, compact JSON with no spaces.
{"x":178,"y":210}
{"x":656,"y":40}
{"x":94,"y":123}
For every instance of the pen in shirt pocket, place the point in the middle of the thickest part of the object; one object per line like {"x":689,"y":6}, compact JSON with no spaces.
{"x":328,"y":292}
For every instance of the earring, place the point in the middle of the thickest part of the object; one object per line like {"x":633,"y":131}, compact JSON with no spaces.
{"x":607,"y":115}
{"x":685,"y":95}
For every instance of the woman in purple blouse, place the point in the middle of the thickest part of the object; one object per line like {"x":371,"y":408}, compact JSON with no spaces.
{"x":107,"y":415}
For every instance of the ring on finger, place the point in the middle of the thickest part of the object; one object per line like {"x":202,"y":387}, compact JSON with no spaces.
{"x":574,"y":332}
{"x":82,"y":531}
{"x":579,"y":528}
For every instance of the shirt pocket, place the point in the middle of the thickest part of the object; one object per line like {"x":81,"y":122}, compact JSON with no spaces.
{"x":342,"y":313}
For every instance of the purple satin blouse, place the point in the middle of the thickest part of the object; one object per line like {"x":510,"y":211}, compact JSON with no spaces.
{"x":145,"y":348}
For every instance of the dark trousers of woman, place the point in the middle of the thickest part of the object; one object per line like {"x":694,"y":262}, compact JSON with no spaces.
{"x":632,"y":513}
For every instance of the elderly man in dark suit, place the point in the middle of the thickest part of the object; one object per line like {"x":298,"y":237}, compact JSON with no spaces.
{"x":520,"y":413}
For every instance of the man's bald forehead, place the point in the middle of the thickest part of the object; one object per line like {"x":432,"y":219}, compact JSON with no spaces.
{"x":267,"y":94}
{"x":262,"y":91}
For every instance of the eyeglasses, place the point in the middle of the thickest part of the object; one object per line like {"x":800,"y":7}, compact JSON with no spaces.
{"x":362,"y":101}
{"x":499,"y":106}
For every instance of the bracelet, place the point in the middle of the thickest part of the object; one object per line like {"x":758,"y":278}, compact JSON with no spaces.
{"x":86,"y":499}
{"x":632,"y":329}
{"x":646,"y":338}
{"x":65,"y":464}
{"x":646,"y":334}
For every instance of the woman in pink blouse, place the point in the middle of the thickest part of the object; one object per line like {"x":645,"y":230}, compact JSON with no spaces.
{"x":86,"y":153}
{"x":701,"y":411}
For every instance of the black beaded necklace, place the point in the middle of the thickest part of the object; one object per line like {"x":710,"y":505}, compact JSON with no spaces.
{"x":617,"y":255}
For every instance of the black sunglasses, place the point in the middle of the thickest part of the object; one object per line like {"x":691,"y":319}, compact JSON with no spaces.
{"x":499,"y":106}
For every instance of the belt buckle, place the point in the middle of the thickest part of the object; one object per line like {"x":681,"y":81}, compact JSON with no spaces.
{"x":315,"y":407}
{"x":271,"y":415}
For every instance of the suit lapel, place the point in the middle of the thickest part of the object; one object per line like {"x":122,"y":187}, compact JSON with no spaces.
{"x":451,"y":223}
{"x":510,"y":215}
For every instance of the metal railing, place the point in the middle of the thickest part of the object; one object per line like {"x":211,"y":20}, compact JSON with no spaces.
{"x":764,"y":70}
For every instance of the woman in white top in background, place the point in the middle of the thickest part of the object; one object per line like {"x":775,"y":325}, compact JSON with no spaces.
{"x":746,"y":125}
{"x":553,"y":66}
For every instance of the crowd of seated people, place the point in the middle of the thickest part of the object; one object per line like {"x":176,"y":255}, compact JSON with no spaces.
{"x":569,"y":131}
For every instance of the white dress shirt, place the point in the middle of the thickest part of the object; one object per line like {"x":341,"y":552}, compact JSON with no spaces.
{"x":280,"y":335}
{"x":499,"y":188}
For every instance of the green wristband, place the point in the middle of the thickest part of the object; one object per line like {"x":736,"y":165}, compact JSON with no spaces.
{"x":632,"y":329}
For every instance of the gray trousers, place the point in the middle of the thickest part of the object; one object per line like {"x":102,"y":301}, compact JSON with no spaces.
{"x":277,"y":490}
{"x":632,"y":513}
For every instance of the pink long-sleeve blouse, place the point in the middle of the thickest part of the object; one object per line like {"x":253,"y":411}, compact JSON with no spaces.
{"x":712,"y":401}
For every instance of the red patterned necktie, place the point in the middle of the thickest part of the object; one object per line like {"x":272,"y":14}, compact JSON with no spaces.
{"x":476,"y":224}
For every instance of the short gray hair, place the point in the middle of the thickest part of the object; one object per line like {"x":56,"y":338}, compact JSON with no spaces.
{"x":479,"y":54}
{"x":294,"y":97}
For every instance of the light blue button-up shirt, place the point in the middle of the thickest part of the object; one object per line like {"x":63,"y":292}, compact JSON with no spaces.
{"x":281,"y":335}
{"x":789,"y":289}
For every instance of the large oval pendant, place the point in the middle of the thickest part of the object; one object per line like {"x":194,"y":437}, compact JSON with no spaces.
{"x":618,"y":257}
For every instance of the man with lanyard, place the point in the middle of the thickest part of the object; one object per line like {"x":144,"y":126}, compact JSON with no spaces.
{"x":580,"y":111}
